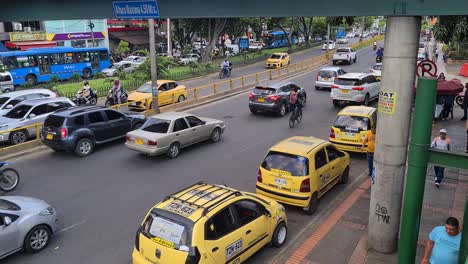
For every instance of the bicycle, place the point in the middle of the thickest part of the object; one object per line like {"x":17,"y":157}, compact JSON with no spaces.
{"x":296,"y":116}
{"x":9,"y":178}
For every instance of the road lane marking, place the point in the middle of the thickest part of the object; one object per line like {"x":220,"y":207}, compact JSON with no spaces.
{"x":72,"y":226}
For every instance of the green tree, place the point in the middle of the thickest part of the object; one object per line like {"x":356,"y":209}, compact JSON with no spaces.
{"x":122,"y":47}
{"x":452,"y":29}
{"x":305,"y":27}
{"x":144,"y":70}
{"x":319,"y":26}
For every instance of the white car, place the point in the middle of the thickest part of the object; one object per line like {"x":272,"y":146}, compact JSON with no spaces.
{"x":331,"y":45}
{"x":9,"y":100}
{"x":326,"y":77}
{"x":422,"y":47}
{"x":376,"y":70}
{"x":342,"y":41}
{"x":350,"y":35}
{"x":187,"y":59}
{"x":133,"y":58}
{"x":421,"y":56}
{"x":256,"y":46}
{"x":117,"y":67}
{"x":347,"y":55}
{"x":355,"y":87}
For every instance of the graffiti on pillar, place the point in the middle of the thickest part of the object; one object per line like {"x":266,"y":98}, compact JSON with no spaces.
{"x":382,"y":214}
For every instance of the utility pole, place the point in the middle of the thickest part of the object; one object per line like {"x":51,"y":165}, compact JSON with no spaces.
{"x":169,"y":38}
{"x":91,"y":26}
{"x":328,"y":37}
{"x":154,"y":73}
{"x":393,"y":126}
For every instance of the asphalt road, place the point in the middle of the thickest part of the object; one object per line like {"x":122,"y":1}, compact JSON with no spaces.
{"x":101,"y":199}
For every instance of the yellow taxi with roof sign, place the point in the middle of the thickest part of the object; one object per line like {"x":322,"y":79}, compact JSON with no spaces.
{"x":299,"y":170}
{"x":206,"y":223}
{"x":350,"y":127}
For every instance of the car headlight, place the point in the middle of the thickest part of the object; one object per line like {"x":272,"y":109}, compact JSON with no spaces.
{"x":48,"y":211}
{"x":281,"y":208}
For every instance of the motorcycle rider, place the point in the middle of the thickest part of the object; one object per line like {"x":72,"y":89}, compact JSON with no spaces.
{"x":380,"y":53}
{"x":117,"y":90}
{"x":294,"y":97}
{"x":375,"y":45}
{"x":226,"y":65}
{"x":86,"y":92}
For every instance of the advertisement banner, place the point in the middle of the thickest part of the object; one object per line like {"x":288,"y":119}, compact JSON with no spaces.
{"x":27,"y":36}
{"x":75,"y":36}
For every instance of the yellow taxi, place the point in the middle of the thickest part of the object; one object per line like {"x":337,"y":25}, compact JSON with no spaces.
{"x":278,"y":60}
{"x":350,"y":127}
{"x":206,"y":223}
{"x":299,"y":170}
{"x":168,"y":92}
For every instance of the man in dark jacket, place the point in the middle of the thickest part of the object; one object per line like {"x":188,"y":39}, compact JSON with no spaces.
{"x":465,"y":103}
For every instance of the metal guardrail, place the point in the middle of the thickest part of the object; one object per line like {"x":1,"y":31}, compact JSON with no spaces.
{"x":235,"y":83}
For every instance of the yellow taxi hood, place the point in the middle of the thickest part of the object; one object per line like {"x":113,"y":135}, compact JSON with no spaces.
{"x":137,"y":96}
{"x":270,"y":60}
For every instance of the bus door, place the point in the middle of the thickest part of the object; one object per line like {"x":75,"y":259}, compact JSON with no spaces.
{"x":44,"y":64}
{"x":94,"y":56}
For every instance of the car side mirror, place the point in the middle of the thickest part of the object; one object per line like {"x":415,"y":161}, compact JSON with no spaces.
{"x":9,"y":106}
{"x":266,"y":212}
{"x":32,"y":115}
{"x":7,"y":220}
{"x":341,"y":154}
{"x":204,"y":122}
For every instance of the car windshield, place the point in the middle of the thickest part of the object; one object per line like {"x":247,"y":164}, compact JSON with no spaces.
{"x":166,"y":230}
{"x":145,"y":88}
{"x":275,"y":56}
{"x":156,"y":125}
{"x":9,"y":206}
{"x":377,"y":67}
{"x":341,"y":81}
{"x":3,"y":100}
{"x":327,"y":74}
{"x":352,"y":123}
{"x":18,"y":112}
{"x":54,"y":121}
{"x":115,"y":66}
{"x":263,"y":91}
{"x":282,"y":162}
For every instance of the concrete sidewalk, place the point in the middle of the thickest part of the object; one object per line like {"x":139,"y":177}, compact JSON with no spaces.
{"x":341,"y":235}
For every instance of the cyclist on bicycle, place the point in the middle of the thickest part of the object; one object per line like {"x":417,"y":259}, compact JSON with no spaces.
{"x":294,"y":99}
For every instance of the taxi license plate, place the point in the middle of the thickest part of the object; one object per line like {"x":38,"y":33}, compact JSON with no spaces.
{"x":280,"y":181}
{"x":326,"y":79}
{"x":349,"y":134}
{"x":50,"y":136}
{"x":139,"y":141}
{"x":261,"y":100}
{"x":344,"y":91}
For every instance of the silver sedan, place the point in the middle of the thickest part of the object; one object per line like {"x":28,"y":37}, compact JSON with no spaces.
{"x":169,"y":132}
{"x":25,"y":223}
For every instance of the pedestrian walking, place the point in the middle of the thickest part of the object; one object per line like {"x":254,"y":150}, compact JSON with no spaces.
{"x":436,"y":54}
{"x":443,"y":245}
{"x":465,"y":103}
{"x":442,"y":142}
{"x":369,"y":141}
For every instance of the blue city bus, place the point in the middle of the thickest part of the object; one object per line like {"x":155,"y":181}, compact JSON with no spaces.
{"x":277,"y":39}
{"x":341,"y":33}
{"x":40,"y":64}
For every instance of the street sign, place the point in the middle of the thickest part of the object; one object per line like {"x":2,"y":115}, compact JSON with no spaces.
{"x":426,"y":67}
{"x":136,"y":9}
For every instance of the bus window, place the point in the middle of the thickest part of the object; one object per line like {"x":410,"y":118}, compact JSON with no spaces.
{"x":26,"y":61}
{"x":69,"y":58}
{"x":44,"y":64}
{"x":58,"y":58}
{"x":94,"y":59}
{"x":103,"y":55}
{"x":10,"y":62}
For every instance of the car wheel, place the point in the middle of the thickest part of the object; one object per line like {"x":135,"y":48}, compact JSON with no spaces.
{"x":18,"y":137}
{"x":345,"y":176}
{"x":215,"y":135}
{"x":93,"y":101}
{"x":7,"y":90}
{"x":279,"y":235}
{"x":336,"y":103}
{"x":317,"y":88}
{"x":87,"y":73}
{"x":31,"y":79}
{"x":84,"y":147}
{"x":282,"y":111}
{"x":37,"y":239}
{"x":253,"y":111}
{"x":355,"y":59}
{"x":366,"y":100}
{"x":313,"y":205}
{"x":173,"y":150}
{"x":181,"y":99}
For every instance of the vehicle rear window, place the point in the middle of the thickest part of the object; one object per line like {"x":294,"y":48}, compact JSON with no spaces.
{"x":342,"y":81}
{"x":263,"y":91}
{"x":352,"y":123}
{"x":156,"y":125}
{"x":342,"y":50}
{"x":422,"y":45}
{"x":327,"y":74}
{"x":377,"y":67}
{"x":293,"y":164}
{"x":54,"y":121}
{"x":165,"y":231}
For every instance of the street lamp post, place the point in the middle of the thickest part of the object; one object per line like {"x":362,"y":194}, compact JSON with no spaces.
{"x":154,"y":73}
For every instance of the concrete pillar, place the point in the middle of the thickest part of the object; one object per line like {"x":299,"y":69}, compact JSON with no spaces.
{"x":393,"y":126}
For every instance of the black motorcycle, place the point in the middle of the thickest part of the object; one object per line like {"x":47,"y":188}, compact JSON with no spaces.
{"x":111,"y":98}
{"x":224,"y":72}
{"x":91,"y":99}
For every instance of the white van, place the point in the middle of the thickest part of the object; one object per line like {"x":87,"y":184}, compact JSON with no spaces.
{"x":6,"y":82}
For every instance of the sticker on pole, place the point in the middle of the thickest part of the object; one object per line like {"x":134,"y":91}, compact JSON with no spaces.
{"x":387,"y":102}
{"x":426,"y":68}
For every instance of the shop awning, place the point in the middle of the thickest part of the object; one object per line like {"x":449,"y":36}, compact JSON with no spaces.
{"x":25,"y":45}
{"x":135,"y":37}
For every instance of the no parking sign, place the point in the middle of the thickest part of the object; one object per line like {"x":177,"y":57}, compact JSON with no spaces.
{"x":426,"y":68}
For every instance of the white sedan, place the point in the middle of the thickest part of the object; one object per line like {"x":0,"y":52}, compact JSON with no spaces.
{"x":169,"y":132}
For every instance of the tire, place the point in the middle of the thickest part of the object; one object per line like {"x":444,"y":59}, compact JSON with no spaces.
{"x":334,"y":62}
{"x":180,"y":99}
{"x":18,"y":137}
{"x":9,"y":179}
{"x":84,"y":147}
{"x":173,"y":151}
{"x":345,"y":176}
{"x":253,"y":111}
{"x":8,"y":90}
{"x":291,"y":121}
{"x":31,"y":79}
{"x":87,"y":73}
{"x":221,"y":75}
{"x":215,"y":135}
{"x":313,"y":205}
{"x":37,"y":239}
{"x":279,"y":235}
{"x":108,"y":103}
{"x":93,"y":101}
{"x":299,"y":117}
{"x":355,"y":59}
{"x":459,"y":100}
{"x":366,"y":100}
{"x":336,"y":103}
{"x":282,"y":110}
{"x":317,"y":88}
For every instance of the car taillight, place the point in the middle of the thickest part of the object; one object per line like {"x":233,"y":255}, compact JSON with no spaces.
{"x":128,"y":138}
{"x":360,"y":88}
{"x":332,"y":133}
{"x":273,"y":97}
{"x":334,"y":87}
{"x":316,"y":77}
{"x":305,"y":186}
{"x":152,"y":143}
{"x":259,"y":176}
{"x":251,"y":95}
{"x":63,"y":132}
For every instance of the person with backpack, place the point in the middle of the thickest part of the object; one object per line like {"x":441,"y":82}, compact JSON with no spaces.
{"x":442,"y":142}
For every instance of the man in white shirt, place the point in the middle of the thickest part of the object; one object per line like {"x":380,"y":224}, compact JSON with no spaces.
{"x":442,"y":142}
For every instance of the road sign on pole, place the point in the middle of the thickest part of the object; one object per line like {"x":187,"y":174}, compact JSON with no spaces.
{"x":426,"y":68}
{"x":136,"y":9}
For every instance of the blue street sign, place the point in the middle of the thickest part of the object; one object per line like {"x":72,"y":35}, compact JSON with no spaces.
{"x":155,"y":92}
{"x":136,"y":9}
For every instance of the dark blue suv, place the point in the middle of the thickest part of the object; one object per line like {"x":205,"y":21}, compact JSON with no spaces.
{"x":79,"y":129}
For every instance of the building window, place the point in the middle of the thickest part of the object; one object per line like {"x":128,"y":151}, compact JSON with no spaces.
{"x":78,"y":43}
{"x":60,"y":43}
